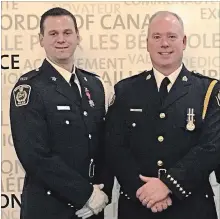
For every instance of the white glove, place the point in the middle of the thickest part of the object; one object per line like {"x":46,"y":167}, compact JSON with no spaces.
{"x":84,"y":212}
{"x":87,"y":211}
{"x":98,"y":199}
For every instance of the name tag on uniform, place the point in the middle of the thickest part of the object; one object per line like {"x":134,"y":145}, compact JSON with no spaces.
{"x":63,"y":107}
{"x":136,"y":110}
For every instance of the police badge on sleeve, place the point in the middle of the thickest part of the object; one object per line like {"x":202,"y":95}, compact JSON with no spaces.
{"x":21,"y":95}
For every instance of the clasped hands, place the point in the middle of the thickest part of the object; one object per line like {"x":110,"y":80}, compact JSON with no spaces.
{"x":96,"y":203}
{"x":154,"y":194}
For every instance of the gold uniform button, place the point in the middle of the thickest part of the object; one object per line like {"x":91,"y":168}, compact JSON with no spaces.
{"x":162,"y":115}
{"x":160,"y":138}
{"x":160,"y":163}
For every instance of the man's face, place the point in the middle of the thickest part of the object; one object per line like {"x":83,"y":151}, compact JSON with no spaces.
{"x":60,"y":38}
{"x":166,"y":42}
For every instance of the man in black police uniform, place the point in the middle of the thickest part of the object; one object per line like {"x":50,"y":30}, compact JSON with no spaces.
{"x":161,"y":142}
{"x":57,"y":114}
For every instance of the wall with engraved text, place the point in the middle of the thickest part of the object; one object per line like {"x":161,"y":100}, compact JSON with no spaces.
{"x":113,"y":45}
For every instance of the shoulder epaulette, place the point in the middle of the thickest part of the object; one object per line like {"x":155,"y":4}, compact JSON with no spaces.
{"x":29,"y":75}
{"x":89,"y":73}
{"x":202,"y":76}
{"x":132,"y":77}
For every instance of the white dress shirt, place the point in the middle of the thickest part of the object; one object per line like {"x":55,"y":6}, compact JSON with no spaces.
{"x":172,"y":77}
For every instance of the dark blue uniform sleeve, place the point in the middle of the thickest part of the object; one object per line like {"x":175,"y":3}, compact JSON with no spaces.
{"x":118,"y":155}
{"x":33,"y":147}
{"x":183,"y":178}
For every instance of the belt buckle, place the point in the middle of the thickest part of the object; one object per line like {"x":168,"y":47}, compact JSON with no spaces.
{"x":160,"y":171}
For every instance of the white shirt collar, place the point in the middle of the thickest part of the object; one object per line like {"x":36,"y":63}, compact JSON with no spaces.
{"x":66,"y":74}
{"x":172,"y":77}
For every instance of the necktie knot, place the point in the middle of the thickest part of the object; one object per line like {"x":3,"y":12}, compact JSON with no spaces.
{"x":165,"y":82}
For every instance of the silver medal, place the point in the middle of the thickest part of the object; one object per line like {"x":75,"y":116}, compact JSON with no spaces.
{"x":190,"y":126}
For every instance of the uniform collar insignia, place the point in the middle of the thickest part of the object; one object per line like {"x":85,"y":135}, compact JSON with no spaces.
{"x":184,"y":78}
{"x":148,"y":77}
{"x":53,"y":78}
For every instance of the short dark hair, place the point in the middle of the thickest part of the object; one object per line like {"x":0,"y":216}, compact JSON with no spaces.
{"x":57,"y":11}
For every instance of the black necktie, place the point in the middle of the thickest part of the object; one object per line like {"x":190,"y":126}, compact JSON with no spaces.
{"x":75,"y":88}
{"x":163,"y":89}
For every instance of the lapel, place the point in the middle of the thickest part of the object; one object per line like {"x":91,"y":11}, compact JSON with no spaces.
{"x":61,"y":85}
{"x":179,"y":89}
{"x":148,"y":90}
{"x":88,"y":94}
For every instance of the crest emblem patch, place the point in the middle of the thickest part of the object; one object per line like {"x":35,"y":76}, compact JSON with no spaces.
{"x":21,"y":95}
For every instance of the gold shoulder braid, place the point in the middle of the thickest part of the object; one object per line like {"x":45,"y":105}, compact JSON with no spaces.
{"x":207,"y":97}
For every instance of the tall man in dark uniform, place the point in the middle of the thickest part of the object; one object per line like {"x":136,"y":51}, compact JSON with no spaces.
{"x":57,"y":114}
{"x":163,"y":132}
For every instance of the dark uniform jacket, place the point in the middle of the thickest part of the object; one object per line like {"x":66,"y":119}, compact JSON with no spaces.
{"x":143,"y":136}
{"x":217,"y":174}
{"x":58,"y":140}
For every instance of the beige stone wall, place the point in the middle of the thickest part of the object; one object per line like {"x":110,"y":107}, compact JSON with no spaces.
{"x":113,"y":45}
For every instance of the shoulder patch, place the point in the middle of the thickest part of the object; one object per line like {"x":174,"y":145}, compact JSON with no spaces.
{"x":21,"y":95}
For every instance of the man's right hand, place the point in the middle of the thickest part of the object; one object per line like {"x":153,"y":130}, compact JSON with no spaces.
{"x":98,"y":199}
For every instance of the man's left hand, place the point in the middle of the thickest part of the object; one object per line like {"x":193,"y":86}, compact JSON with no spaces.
{"x":154,"y":190}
